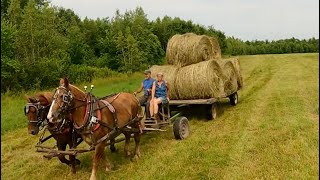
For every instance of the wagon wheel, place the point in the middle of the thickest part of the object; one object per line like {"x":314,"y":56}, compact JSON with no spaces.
{"x":234,"y":99}
{"x":212,"y":112}
{"x":181,"y":128}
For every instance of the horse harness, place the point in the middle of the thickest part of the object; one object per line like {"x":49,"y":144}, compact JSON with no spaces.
{"x":39,"y":112}
{"x":92,"y":120}
{"x":64,"y":126}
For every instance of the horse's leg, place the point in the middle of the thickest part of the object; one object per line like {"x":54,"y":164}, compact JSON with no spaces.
{"x":98,"y":155}
{"x":73,"y":160}
{"x":137,"y":136}
{"x":112,"y":147}
{"x":62,"y":158}
{"x":127,"y":142}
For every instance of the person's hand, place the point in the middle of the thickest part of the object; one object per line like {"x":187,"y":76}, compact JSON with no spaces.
{"x":168,"y":98}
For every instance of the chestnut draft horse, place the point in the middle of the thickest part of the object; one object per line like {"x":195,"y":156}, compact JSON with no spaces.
{"x":99,"y":120}
{"x":36,"y":111}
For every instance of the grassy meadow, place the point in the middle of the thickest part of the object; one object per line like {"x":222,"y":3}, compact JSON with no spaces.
{"x":273,"y":132}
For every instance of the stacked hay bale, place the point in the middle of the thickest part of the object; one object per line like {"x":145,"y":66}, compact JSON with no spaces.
{"x":215,"y":48}
{"x":196,"y":70}
{"x":189,"y":48}
{"x":196,"y":81}
{"x":169,"y":73}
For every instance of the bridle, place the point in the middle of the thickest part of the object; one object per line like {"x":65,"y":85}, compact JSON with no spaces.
{"x":67,"y":99}
{"x":39,"y":112}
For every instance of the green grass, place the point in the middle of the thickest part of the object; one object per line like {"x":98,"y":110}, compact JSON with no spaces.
{"x":271,"y":134}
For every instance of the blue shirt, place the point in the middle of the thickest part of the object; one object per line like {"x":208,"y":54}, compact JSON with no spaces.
{"x":147,"y":84}
{"x":161,"y":91}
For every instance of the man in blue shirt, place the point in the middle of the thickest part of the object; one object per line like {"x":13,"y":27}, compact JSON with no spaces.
{"x":146,"y":86}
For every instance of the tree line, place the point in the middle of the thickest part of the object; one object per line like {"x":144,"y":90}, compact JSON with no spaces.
{"x":41,"y":43}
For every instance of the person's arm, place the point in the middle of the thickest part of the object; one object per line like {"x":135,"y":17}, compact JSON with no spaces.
{"x":139,"y":90}
{"x":168,"y":90}
{"x":153,"y":91}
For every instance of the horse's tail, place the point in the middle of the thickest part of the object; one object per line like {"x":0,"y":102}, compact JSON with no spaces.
{"x":139,"y":111}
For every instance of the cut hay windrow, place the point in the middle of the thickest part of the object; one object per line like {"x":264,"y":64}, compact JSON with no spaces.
{"x":189,"y":48}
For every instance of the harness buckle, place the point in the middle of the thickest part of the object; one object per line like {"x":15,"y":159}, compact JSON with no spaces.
{"x":94,"y":120}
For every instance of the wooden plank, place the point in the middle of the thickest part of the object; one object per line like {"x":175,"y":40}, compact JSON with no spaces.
{"x":193,"y":101}
{"x":152,"y":129}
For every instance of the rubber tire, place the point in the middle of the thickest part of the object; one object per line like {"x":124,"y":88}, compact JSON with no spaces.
{"x":234,"y":98}
{"x":181,"y":128}
{"x":212,"y":112}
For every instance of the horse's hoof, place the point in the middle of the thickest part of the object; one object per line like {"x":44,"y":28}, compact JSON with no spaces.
{"x":93,"y":177}
{"x":108,"y":168}
{"x":135,"y":158}
{"x":78,"y":162}
{"x":128,"y":153}
{"x":113,"y":149}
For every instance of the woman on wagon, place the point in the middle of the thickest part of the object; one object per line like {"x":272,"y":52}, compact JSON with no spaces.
{"x":159,"y":94}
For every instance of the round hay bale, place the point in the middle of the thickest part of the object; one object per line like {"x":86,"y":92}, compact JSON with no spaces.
{"x":189,"y":48}
{"x":201,"y":80}
{"x":169,"y":74}
{"x":236,"y":64}
{"x":230,"y":78}
{"x":215,"y":48}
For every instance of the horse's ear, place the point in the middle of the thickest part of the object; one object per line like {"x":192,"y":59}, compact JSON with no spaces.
{"x":30,"y":99}
{"x":47,"y":97}
{"x":66,"y":82}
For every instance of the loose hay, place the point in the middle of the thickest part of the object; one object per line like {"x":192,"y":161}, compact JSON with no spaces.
{"x":169,"y":74}
{"x":189,"y":48}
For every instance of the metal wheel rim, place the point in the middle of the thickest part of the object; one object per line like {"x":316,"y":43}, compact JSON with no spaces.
{"x":183,"y":130}
{"x":214,"y":113}
{"x":236,"y":98}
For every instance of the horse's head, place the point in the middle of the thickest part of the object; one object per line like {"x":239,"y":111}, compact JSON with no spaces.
{"x":63,"y":101}
{"x":36,"y":110}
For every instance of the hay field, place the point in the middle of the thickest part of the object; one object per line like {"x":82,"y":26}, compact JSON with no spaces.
{"x":271,"y":134}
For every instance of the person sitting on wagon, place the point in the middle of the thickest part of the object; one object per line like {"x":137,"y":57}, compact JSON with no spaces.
{"x":146,"y":86}
{"x":159,"y":94}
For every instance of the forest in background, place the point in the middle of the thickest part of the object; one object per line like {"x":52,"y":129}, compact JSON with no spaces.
{"x":40,"y":44}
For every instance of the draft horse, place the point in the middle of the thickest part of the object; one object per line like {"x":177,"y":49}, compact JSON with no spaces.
{"x":36,"y":110}
{"x":98,"y":120}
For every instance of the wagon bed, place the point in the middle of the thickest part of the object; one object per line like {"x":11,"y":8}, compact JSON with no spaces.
{"x":210,"y":102}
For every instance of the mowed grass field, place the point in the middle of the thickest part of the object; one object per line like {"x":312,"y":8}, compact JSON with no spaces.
{"x":273,"y":132}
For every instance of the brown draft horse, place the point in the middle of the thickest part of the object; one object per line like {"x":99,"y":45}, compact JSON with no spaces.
{"x":69,"y":98}
{"x":36,"y":111}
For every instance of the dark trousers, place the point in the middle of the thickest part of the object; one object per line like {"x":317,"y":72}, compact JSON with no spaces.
{"x":145,"y":100}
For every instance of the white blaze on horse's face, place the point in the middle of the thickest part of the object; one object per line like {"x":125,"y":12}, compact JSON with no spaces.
{"x":49,"y":116}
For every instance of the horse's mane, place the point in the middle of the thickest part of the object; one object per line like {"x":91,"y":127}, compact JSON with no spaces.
{"x":46,"y":95}
{"x":75,"y":87}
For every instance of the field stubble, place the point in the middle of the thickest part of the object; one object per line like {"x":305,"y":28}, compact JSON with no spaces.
{"x":271,"y":134}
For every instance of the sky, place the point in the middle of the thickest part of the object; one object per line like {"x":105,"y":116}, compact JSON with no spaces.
{"x":244,"y":19}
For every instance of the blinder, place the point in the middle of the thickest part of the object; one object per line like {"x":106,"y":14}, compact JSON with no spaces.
{"x":66,"y":99}
{"x":38,"y":108}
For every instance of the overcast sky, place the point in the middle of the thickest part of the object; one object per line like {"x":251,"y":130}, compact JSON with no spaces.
{"x":244,"y":19}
